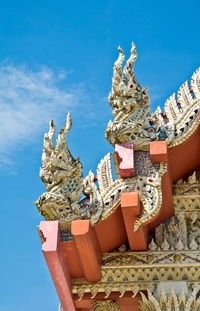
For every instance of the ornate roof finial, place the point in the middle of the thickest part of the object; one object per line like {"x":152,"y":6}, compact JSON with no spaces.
{"x":62,"y":175}
{"x":117,"y":70}
{"x":129,"y":69}
{"x":129,"y":101}
{"x":132,"y":119}
{"x":126,"y":95}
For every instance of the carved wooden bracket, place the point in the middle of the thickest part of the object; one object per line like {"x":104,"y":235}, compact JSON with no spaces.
{"x":131,"y":209}
{"x":88,"y":249}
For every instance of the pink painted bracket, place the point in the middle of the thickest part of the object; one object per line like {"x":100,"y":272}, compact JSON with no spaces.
{"x":125,"y":159}
{"x":50,"y":236}
{"x":88,"y":248}
{"x":131,"y":209}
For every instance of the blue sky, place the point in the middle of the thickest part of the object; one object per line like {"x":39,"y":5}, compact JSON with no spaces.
{"x":55,"y":57}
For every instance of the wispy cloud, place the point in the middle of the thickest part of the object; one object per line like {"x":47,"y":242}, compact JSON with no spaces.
{"x":28,"y":100}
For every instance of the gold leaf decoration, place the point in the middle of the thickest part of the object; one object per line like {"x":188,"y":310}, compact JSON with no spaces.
{"x":105,"y":305}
